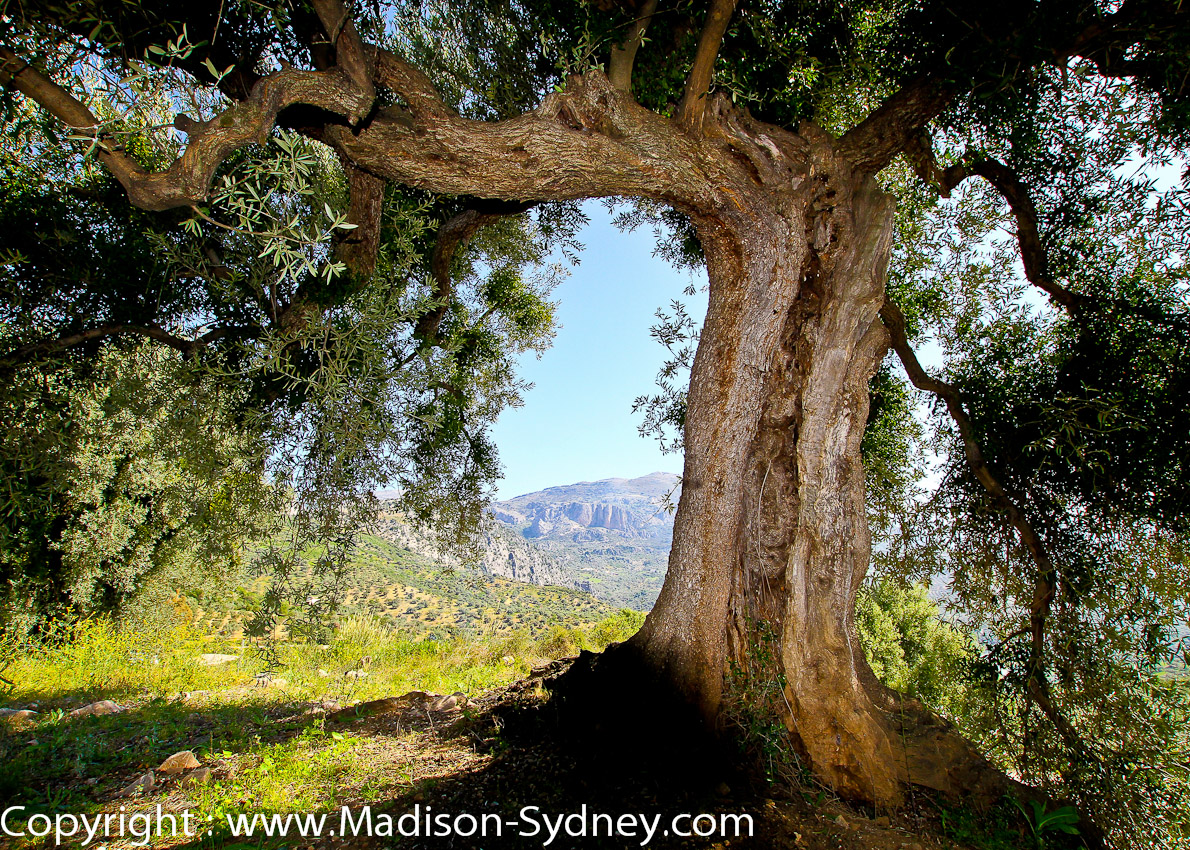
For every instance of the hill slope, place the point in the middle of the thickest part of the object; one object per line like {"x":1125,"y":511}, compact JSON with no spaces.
{"x":415,"y":594}
{"x":612,"y":537}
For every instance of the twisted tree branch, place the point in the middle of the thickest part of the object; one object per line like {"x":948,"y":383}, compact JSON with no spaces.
{"x":350,"y":53}
{"x":454,"y":233}
{"x":1045,"y":586}
{"x":1014,"y":191}
{"x":188,"y":179}
{"x":895,"y":124}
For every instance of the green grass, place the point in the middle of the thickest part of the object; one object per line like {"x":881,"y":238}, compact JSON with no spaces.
{"x":269,"y":750}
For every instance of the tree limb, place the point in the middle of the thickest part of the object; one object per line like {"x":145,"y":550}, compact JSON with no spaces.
{"x":692,"y":108}
{"x":188,"y":179}
{"x":454,"y":233}
{"x":419,"y":93}
{"x":587,"y":141}
{"x":358,"y":247}
{"x":1045,"y":586}
{"x":350,"y":53}
{"x":1009,"y":184}
{"x":619,"y":67}
{"x":892,"y":127}
{"x":1107,"y":41}
{"x":41,"y":349}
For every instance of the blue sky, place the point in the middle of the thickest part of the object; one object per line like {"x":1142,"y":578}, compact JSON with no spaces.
{"x":577,"y":422}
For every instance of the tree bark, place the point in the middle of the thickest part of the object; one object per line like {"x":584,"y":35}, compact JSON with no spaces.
{"x":770,"y":537}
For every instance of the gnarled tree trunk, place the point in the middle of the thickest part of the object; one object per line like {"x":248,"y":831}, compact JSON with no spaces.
{"x":771,"y":540}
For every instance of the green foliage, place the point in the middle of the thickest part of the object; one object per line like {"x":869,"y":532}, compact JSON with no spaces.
{"x":1061,"y":819}
{"x":270,"y":753}
{"x":911,"y":649}
{"x":138,"y":476}
{"x":325,"y":387}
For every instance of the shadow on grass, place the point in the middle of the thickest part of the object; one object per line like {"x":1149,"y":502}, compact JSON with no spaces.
{"x":75,"y":764}
{"x":519,"y":762}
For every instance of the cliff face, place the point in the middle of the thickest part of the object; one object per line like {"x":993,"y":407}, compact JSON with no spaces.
{"x":502,"y":553}
{"x":507,"y":554}
{"x":631,"y":506}
{"x":612,"y":536}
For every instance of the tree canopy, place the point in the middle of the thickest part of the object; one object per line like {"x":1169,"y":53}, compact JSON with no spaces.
{"x":341,"y":218}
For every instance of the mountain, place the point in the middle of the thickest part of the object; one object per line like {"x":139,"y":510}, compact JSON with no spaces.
{"x":414,"y":593}
{"x":503,"y":553}
{"x":611,"y":537}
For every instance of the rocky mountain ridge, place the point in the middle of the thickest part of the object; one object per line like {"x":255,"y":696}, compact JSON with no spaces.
{"x":502,"y":553}
{"x":611,"y":536}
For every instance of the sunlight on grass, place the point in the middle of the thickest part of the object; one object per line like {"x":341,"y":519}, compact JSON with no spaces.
{"x":266,"y":737}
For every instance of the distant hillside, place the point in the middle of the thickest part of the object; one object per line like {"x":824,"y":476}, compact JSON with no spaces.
{"x":611,"y":537}
{"x":415,"y":594}
{"x":504,"y":553}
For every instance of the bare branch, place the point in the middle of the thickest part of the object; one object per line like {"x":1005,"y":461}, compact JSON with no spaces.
{"x":1045,"y":586}
{"x":694,"y":98}
{"x":619,"y":68}
{"x":454,"y":233}
{"x":187,"y":181}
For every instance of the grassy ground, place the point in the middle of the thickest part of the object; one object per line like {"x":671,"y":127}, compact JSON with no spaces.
{"x":320,"y":740}
{"x":260,"y":731}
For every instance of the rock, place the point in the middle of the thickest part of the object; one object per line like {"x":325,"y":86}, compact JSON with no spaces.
{"x":266,"y":680}
{"x":214,"y":659}
{"x":842,"y":821}
{"x":178,"y":762}
{"x":723,"y":789}
{"x":18,"y":716}
{"x":448,"y":703}
{"x":370,"y":708}
{"x":882,"y":822}
{"x":323,"y":673}
{"x":144,"y":783}
{"x":199,"y":777}
{"x":508,"y":659}
{"x":356,"y":674}
{"x":95,"y":709}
